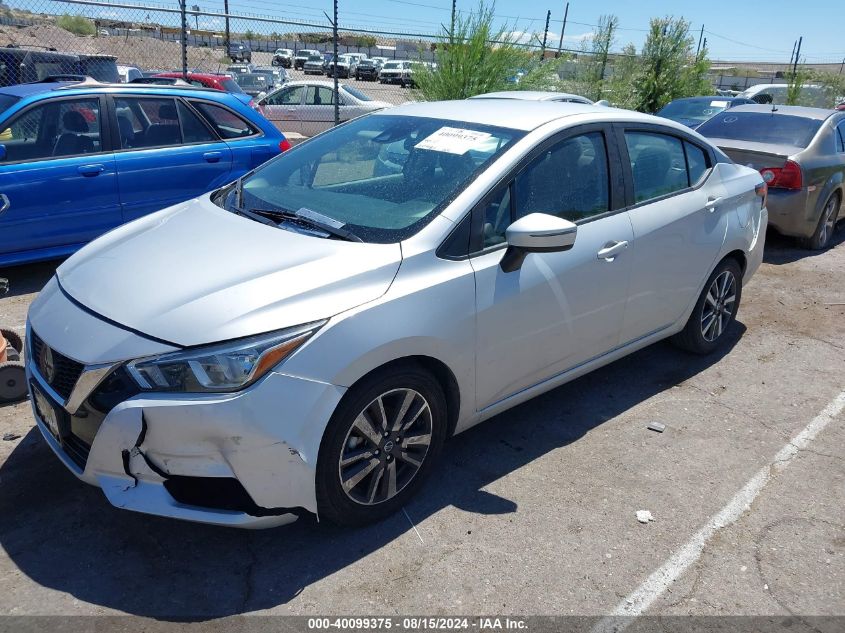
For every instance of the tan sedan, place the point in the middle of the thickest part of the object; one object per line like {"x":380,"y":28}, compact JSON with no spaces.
{"x":307,"y":107}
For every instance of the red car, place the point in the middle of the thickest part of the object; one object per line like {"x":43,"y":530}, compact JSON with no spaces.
{"x":841,"y":106}
{"x":214,"y":81}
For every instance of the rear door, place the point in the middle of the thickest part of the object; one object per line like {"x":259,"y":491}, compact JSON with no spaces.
{"x":168,"y":154}
{"x":283,"y":108}
{"x":58,"y":184}
{"x":678,"y":210}
{"x":249,"y":147}
{"x":318,"y":110}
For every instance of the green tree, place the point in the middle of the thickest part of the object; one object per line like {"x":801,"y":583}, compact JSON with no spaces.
{"x":668,"y":68}
{"x":472,"y":58}
{"x":76,"y":24}
{"x":595,"y":66}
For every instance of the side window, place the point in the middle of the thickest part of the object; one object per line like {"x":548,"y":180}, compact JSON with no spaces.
{"x":497,"y":217}
{"x":840,"y":137}
{"x":319,"y":95}
{"x":696,"y":163}
{"x":228,"y":124}
{"x":569,"y":180}
{"x":147,"y":122}
{"x":288,"y":96}
{"x":657,"y":163}
{"x":193,"y":129}
{"x":52,"y":130}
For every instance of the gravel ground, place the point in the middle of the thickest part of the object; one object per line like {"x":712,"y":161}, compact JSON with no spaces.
{"x":532,"y":512}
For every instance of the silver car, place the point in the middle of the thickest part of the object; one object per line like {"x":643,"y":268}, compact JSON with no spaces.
{"x":307,"y":107}
{"x":801,"y":154}
{"x":534,"y":95}
{"x":306,"y":338}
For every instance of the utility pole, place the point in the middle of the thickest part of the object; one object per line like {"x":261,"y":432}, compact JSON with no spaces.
{"x":226,"y":10}
{"x":334,"y":68}
{"x":184,"y":38}
{"x":797,"y":56}
{"x":700,"y":37}
{"x":842,"y":65}
{"x":562,"y":29}
{"x":452,"y":27}
{"x":545,"y":34}
{"x":196,"y":10}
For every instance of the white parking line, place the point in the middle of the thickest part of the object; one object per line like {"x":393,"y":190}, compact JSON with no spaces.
{"x":654,"y":586}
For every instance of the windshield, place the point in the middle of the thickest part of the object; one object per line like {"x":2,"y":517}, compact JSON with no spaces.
{"x":355,"y":93}
{"x":230,"y":85}
{"x":390,"y":65}
{"x":762,"y":127}
{"x":7,"y":101}
{"x":695,"y":109}
{"x":381,"y":177}
{"x":255,"y":80}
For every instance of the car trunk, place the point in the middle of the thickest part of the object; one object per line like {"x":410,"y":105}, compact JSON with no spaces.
{"x":756,"y":155}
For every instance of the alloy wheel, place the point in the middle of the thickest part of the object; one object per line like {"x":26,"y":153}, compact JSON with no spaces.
{"x":385,"y":446}
{"x":718,"y":306}
{"x":828,"y":222}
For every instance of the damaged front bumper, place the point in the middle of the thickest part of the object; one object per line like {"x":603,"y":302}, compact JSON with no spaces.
{"x":244,"y":459}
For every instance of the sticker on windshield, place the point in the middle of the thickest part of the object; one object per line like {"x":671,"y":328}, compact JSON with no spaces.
{"x":718,"y":104}
{"x":453,"y":140}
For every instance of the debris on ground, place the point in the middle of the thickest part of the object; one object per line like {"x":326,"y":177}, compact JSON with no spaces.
{"x":644,"y":516}
{"x":657,"y":426}
{"x":8,"y":437}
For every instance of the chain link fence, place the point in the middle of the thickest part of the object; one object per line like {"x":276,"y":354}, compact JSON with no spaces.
{"x":287,"y":66}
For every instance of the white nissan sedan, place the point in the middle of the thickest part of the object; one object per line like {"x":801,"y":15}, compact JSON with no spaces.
{"x":306,"y":338}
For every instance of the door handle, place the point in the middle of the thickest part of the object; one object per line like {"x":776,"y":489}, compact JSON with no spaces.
{"x":712,"y":202}
{"x":212,"y":157}
{"x":91,"y":170}
{"x":611,"y":250}
{"x":4,"y":203}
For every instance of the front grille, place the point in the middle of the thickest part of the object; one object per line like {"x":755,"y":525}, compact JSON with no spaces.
{"x":76,"y":449}
{"x":64,"y":371}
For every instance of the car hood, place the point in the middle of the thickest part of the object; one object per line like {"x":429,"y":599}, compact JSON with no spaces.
{"x":195,"y":273}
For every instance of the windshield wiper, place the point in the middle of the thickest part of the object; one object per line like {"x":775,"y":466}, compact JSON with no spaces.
{"x":309,"y":218}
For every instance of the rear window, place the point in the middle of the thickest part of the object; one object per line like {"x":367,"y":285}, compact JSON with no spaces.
{"x":7,"y":101}
{"x":230,"y":85}
{"x":762,"y":127}
{"x":355,"y":93}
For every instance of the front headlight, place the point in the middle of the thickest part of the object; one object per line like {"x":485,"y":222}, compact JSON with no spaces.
{"x":224,"y":367}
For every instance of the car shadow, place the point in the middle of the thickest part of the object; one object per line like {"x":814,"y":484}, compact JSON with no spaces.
{"x":65,"y":536}
{"x":28,"y":278}
{"x":785,"y":250}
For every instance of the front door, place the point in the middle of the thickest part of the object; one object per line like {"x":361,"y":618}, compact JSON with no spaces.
{"x":58,"y":186}
{"x":168,"y":154}
{"x":561,"y":309}
{"x":283,"y":108}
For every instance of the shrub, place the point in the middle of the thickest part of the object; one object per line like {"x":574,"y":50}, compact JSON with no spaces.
{"x":76,"y":24}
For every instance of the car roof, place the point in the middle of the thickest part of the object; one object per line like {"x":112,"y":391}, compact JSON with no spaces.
{"x":210,"y":76}
{"x":86,"y":88}
{"x":528,"y":95}
{"x":819,"y":114}
{"x":515,"y":113}
{"x":711,"y":98}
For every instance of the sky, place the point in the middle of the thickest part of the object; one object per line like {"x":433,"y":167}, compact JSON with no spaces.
{"x":737,"y":30}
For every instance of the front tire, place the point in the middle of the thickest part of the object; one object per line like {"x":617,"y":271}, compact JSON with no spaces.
{"x":380,"y":445}
{"x":824,"y":230}
{"x":715,"y":310}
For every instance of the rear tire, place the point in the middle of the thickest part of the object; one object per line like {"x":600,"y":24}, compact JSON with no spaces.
{"x":824,"y":230}
{"x":715,"y":310}
{"x":364,"y":475}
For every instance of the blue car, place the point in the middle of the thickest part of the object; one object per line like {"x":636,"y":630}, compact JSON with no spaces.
{"x":80,"y":158}
{"x":693,"y":111}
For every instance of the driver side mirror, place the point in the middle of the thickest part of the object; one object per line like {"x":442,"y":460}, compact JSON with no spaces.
{"x":536,"y":233}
